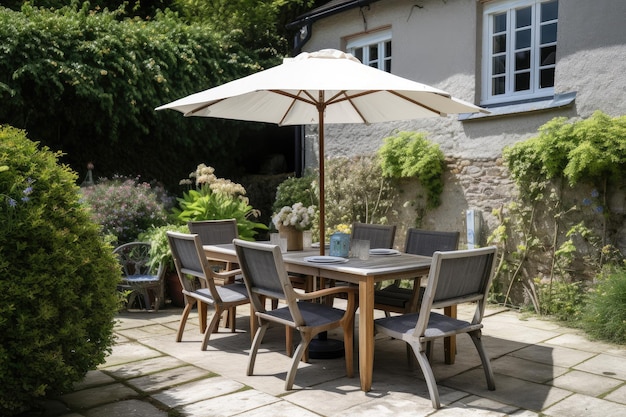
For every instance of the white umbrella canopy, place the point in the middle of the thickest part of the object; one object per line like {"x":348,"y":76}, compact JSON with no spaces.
{"x":328,"y":86}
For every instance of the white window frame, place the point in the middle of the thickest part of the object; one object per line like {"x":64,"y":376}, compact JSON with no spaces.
{"x":509,"y":95}
{"x":378,"y":39}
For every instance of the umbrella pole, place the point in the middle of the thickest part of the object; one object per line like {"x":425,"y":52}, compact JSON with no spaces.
{"x":320,"y":109}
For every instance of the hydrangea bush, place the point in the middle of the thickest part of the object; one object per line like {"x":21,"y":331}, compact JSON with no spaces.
{"x":57,"y":277}
{"x":297,"y":215}
{"x":126,"y":207}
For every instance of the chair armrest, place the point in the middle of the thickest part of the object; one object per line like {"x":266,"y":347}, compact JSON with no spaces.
{"x":227,"y":274}
{"x":326,"y":291}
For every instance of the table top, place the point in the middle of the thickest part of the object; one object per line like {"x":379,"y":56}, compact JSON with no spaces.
{"x":399,"y":265}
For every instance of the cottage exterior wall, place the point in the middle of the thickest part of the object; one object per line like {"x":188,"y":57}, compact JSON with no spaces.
{"x":439,"y":43}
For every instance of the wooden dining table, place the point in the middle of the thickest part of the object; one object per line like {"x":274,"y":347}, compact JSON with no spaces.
{"x":364,"y":273}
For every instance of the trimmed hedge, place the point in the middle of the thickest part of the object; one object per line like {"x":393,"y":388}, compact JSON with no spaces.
{"x":57,"y":277}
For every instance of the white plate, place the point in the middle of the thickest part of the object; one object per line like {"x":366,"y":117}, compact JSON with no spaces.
{"x":383,"y":251}
{"x":326,"y":259}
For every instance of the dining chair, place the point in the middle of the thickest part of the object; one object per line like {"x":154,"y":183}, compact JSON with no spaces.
{"x":265,"y":276}
{"x":394,"y":297}
{"x":379,"y":235}
{"x":190,"y":260}
{"x":455,"y":277}
{"x":139,"y":276}
{"x":215,"y":232}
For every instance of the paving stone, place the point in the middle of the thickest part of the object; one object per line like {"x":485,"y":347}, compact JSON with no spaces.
{"x":586,"y":383}
{"x":130,"y":408}
{"x":607,"y":365}
{"x":91,"y":397}
{"x":527,"y":370}
{"x":93,"y":378}
{"x":579,"y":405}
{"x":129,"y":352}
{"x":553,"y":355}
{"x":509,"y":390}
{"x":278,"y":409}
{"x":168,"y":378}
{"x":197,"y":391}
{"x":619,"y":395}
{"x":229,"y":405}
{"x":144,"y":367}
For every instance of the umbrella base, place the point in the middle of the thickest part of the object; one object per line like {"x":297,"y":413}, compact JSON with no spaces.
{"x":324,"y":348}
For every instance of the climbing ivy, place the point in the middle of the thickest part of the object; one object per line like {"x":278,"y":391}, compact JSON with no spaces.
{"x":411,"y":155}
{"x":561,"y":231}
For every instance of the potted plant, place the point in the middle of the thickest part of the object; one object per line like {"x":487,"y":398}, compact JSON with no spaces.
{"x":292,"y":221}
{"x":160,"y":253}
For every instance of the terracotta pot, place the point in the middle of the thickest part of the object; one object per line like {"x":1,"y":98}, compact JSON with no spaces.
{"x":294,"y":237}
{"x":174,"y":289}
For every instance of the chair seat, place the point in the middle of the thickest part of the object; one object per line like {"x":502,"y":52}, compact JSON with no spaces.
{"x":439,"y":325}
{"x":141,"y":279}
{"x":395,"y":296}
{"x":314,"y":314}
{"x":231,"y":293}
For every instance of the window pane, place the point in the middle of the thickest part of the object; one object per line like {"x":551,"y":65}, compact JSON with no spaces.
{"x":499,"y":43}
{"x":499,"y":23}
{"x":388,"y":65}
{"x":373,"y":53}
{"x":522,"y":39}
{"x":548,"y":55}
{"x":499,"y":64}
{"x":546,"y":78}
{"x":523,"y":17}
{"x":358,"y":54}
{"x":522,"y":60}
{"x":522,"y":81}
{"x":497,"y":86}
{"x":548,"y":33}
{"x":549,"y":11}
{"x":388,"y":49}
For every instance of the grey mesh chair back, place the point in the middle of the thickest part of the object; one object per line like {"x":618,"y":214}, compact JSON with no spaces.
{"x":394,"y":297}
{"x":190,"y":261}
{"x":379,"y":235}
{"x":265,"y":275}
{"x":427,"y":242}
{"x":214,"y":232}
{"x":455,"y":277}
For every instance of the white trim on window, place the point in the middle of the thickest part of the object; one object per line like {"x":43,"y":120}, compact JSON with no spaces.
{"x":373,"y":49}
{"x":519,"y":50}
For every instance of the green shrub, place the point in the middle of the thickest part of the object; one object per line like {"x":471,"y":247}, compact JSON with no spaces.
{"x":295,"y":190}
{"x":57,"y":277}
{"x":217,"y":199}
{"x":411,"y":155}
{"x":605,"y":314}
{"x":126,"y":207}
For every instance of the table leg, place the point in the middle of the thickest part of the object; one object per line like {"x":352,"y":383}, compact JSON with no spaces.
{"x":366,"y":332}
{"x":449,"y":343}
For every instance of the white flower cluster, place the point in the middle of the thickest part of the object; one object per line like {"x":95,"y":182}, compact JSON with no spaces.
{"x":298,"y":216}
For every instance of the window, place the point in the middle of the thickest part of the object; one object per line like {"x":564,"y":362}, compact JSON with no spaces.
{"x":373,"y":49}
{"x":519,"y":50}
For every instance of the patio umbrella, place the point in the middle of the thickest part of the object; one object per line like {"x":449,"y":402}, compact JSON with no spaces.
{"x":328,"y":86}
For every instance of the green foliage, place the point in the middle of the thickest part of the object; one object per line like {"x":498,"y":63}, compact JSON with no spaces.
{"x":545,"y":232}
{"x":58,"y":277}
{"x":257,"y":24}
{"x":160,"y":251}
{"x":585,"y":150}
{"x":561,"y":300}
{"x":88,"y":82}
{"x":411,"y":155}
{"x":204,"y":204}
{"x":296,"y":190}
{"x":356,"y":191}
{"x":605,"y":314}
{"x":126,"y":207}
